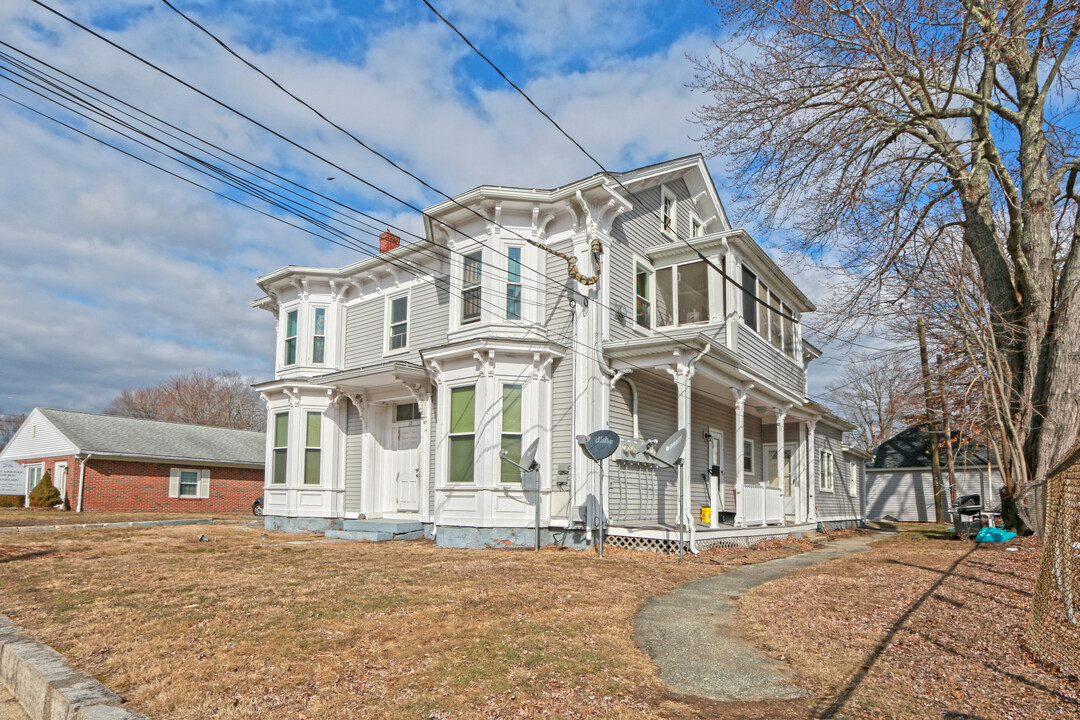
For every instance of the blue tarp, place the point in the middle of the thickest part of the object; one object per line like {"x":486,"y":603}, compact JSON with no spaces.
{"x":991,"y":534}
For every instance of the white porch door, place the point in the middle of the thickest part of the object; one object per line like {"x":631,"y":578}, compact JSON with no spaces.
{"x":60,"y":478}
{"x":789,"y":482}
{"x":406,"y":467}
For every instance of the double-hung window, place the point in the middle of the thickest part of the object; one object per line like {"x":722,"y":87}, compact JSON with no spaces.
{"x":513,"y":283}
{"x":748,"y":457}
{"x":189,"y":483}
{"x":312,"y":451}
{"x":667,"y":211}
{"x":682,"y":294}
{"x":398,"y":338}
{"x":290,"y":336}
{"x":697,"y":228}
{"x":749,"y":299}
{"x":825,"y":471}
{"x":643,"y":297}
{"x":462,"y":434}
{"x":318,"y":338}
{"x":281,"y":448}
{"x":853,"y":479}
{"x":511,"y":432}
{"x":470,"y":287}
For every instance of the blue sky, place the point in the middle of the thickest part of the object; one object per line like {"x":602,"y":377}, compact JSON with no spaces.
{"x":114,"y":275}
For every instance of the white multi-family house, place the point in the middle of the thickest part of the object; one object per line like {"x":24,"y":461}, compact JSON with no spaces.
{"x":400,"y":379}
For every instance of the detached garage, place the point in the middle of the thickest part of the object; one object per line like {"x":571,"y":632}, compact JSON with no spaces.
{"x":118,"y":464}
{"x":900,"y":485}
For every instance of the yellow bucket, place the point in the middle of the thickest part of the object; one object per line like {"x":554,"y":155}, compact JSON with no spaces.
{"x":706,"y":515}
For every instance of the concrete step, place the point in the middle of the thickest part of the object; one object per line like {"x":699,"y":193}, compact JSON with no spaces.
{"x":394,"y":527}
{"x":359,"y":535}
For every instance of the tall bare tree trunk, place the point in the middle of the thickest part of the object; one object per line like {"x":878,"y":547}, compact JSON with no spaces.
{"x":931,"y":427}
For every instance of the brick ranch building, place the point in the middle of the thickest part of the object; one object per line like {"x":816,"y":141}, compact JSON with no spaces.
{"x":105,"y":463}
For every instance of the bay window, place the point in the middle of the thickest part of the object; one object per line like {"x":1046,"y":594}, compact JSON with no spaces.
{"x":281,"y":448}
{"x":643,"y":297}
{"x":290,"y":337}
{"x":318,"y":339}
{"x":312,"y":448}
{"x":462,"y":434}
{"x":749,"y":298}
{"x":511,"y":432}
{"x":513,"y":283}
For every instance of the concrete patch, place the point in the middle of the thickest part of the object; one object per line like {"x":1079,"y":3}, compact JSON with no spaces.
{"x":692,"y":636}
{"x":46,"y":687}
{"x":96,"y":526}
{"x":300,"y":524}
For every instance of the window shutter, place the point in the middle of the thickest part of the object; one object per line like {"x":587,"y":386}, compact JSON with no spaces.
{"x":204,"y":484}
{"x":174,"y":483}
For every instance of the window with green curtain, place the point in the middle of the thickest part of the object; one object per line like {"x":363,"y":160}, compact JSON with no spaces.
{"x":312,"y":453}
{"x":462,"y":434}
{"x":290,"y":337}
{"x":281,"y":448}
{"x":511,"y":432}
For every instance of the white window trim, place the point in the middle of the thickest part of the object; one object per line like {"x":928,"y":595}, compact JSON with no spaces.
{"x":387,"y":306}
{"x":675,"y":295}
{"x":203,"y":491}
{"x":853,"y":479}
{"x":752,"y":472}
{"x":764,"y":331}
{"x":475,"y":385}
{"x":305,"y":447}
{"x":285,"y":335}
{"x":643,"y":264}
{"x":717,"y":437}
{"x":521,"y":433}
{"x":696,"y":219}
{"x":523,"y":316}
{"x":459,"y":281}
{"x":666,"y":193}
{"x":326,"y":319}
{"x":33,"y":466}
{"x":274,"y":447}
{"x":826,"y":481}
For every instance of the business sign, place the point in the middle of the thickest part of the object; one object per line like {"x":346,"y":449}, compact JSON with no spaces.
{"x":12,"y":478}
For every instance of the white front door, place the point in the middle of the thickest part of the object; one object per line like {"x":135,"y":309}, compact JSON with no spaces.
{"x":789,"y":481}
{"x":60,"y":478}
{"x":406,"y":467}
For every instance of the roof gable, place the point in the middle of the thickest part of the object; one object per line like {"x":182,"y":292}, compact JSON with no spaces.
{"x":38,"y":437}
{"x":910,"y":448}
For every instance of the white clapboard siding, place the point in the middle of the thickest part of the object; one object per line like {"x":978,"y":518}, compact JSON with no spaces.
{"x":37,"y":438}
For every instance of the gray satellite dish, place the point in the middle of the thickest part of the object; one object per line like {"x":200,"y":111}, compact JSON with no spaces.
{"x":599,"y":445}
{"x":528,"y":459}
{"x":670,"y":452}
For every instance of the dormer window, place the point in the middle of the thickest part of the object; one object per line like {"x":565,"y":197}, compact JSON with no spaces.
{"x":470,"y":288}
{"x":290,"y":337}
{"x":667,"y":211}
{"x":318,"y":339}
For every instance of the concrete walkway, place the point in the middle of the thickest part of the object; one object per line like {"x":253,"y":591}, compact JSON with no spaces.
{"x":690,"y":633}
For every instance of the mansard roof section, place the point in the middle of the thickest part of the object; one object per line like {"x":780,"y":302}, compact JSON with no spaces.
{"x":691,"y":168}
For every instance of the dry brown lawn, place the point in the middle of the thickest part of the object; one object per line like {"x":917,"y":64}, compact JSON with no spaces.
{"x":234,"y":629}
{"x":25,"y":517}
{"x":918,"y":627}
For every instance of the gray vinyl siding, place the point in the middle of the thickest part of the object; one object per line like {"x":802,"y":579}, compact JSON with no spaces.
{"x":708,"y":412}
{"x":907,"y":494}
{"x":354,"y":458}
{"x":429,"y":319}
{"x":641,"y":492}
{"x":559,"y":321}
{"x":838,"y":504}
{"x":760,"y":357}
{"x":621,"y":409}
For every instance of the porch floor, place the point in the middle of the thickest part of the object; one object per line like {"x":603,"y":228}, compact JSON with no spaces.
{"x":669,"y":532}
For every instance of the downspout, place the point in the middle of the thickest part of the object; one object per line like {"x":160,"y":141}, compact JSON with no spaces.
{"x":82,"y":480}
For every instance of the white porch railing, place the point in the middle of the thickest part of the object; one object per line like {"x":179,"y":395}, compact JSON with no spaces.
{"x":764,"y":504}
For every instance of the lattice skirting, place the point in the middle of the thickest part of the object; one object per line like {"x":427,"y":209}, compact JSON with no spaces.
{"x":671,"y":547}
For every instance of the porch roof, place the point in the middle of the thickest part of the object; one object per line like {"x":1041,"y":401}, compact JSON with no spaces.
{"x":687,"y":338}
{"x":374,"y":376}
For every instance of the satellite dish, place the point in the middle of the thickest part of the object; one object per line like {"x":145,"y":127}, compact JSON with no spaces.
{"x":600,"y":444}
{"x":670,"y":452}
{"x":528,"y":458}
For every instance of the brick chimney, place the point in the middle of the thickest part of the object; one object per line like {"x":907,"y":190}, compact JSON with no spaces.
{"x":388,"y":241}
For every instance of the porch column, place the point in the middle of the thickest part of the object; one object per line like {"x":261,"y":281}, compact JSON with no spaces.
{"x":811,"y":467}
{"x":683,"y":373}
{"x":800,"y":506}
{"x":740,"y":461}
{"x":781,"y":450}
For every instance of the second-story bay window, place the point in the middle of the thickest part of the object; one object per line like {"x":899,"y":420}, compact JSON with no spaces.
{"x":749,"y":295}
{"x":513,"y":283}
{"x":290,"y":337}
{"x":682,"y":294}
{"x":318,"y":339}
{"x":776,"y":321}
{"x":511,"y":432}
{"x":789,"y":333}
{"x":643,"y":297}
{"x":470,"y":287}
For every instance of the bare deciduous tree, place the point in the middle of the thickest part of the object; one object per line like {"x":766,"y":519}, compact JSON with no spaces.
{"x":198,"y":398}
{"x":8,"y":425}
{"x":878,"y":393}
{"x":866,"y":126}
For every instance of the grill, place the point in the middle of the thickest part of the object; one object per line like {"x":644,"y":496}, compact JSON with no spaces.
{"x":967,"y":515}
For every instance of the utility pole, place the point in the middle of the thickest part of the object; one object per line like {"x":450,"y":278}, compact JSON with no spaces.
{"x":946,"y":417}
{"x":928,"y":397}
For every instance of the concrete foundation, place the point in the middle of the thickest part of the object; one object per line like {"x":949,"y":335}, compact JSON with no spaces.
{"x":300,"y":524}
{"x":470,"y":537}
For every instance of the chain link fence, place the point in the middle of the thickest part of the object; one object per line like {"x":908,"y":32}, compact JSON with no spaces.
{"x":1054,"y":623}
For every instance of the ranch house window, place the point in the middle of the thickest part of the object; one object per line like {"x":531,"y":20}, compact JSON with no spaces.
{"x":667,"y":211}
{"x":513,"y":283}
{"x":398,"y":329}
{"x":470,"y":288}
{"x":511,"y":432}
{"x":281,"y":448}
{"x":189,"y":483}
{"x":682,"y":294}
{"x":643,"y":297}
{"x":318,"y":339}
{"x":290,"y":337}
{"x":312,"y":452}
{"x":462,"y":434}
